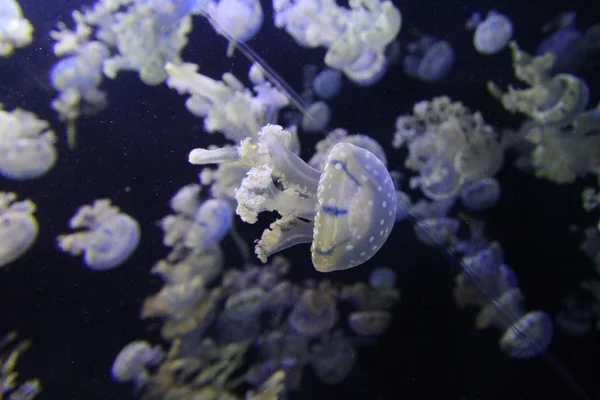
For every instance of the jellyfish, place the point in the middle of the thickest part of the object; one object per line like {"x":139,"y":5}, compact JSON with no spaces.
{"x":369,"y":323}
{"x":320,"y":114}
{"x":480,"y":195}
{"x":327,"y":83}
{"x":15,"y":31}
{"x":333,"y":358}
{"x":108,"y":237}
{"x":26,"y":145}
{"x":315,"y":314}
{"x":18,"y":227}
{"x":568,"y":47}
{"x":493,"y":34}
{"x":10,"y":352}
{"x":430,"y":60}
{"x":528,"y":337}
{"x":239,"y":19}
{"x":382,"y":277}
{"x":132,"y":361}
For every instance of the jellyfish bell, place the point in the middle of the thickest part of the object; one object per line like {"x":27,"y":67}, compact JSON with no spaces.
{"x":18,"y":228}
{"x":357,"y":209}
{"x":493,"y":34}
{"x":112,"y":243}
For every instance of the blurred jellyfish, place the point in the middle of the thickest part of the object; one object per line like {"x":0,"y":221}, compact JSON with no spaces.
{"x":26,"y":145}
{"x":480,"y":195}
{"x":315,"y":314}
{"x":237,"y":20}
{"x":318,"y":117}
{"x":429,"y":59}
{"x":382,"y":277}
{"x":403,"y":206}
{"x":369,"y":323}
{"x":15,"y":31}
{"x":332,"y":358}
{"x":493,"y":34}
{"x":528,"y":337}
{"x":131,"y":362}
{"x":568,"y":47}
{"x":18,"y":227}
{"x":327,"y":83}
{"x":10,"y":352}
{"x":108,"y":237}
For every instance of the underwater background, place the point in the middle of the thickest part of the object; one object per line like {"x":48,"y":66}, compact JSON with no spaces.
{"x":135,"y":153}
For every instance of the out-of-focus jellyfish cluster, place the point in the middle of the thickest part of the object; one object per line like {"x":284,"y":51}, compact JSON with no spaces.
{"x":18,"y":227}
{"x":428,"y":59}
{"x":26,"y":145}
{"x":105,"y":236}
{"x":15,"y":30}
{"x":10,"y":352}
{"x":355,"y":37}
{"x":563,"y":136}
{"x":492,"y":286}
{"x":212,"y":316}
{"x":492,"y":34}
{"x":454,"y":151}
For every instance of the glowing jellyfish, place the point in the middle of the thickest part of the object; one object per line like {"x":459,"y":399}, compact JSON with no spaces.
{"x":493,"y":34}
{"x":333,"y":358}
{"x":108,"y":237}
{"x":327,"y":83}
{"x":349,"y":208}
{"x":369,"y":323}
{"x":430,"y":64}
{"x":382,"y":277}
{"x":18,"y":227}
{"x":480,"y":195}
{"x":315,"y":314}
{"x":131,"y":362}
{"x":318,"y":118}
{"x":238,"y":20}
{"x":15,"y":31}
{"x":26,"y":145}
{"x":567,"y":45}
{"x":212,"y":222}
{"x":528,"y":337}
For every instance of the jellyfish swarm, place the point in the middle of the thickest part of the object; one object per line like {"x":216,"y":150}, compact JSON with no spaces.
{"x":18,"y":227}
{"x":493,"y":34}
{"x":108,"y":237}
{"x":26,"y":145}
{"x":15,"y":31}
{"x":346,"y":212}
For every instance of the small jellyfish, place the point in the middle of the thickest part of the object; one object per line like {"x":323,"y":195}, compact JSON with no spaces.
{"x":485,"y":263}
{"x":315,"y":314}
{"x":333,"y":358}
{"x":436,"y":231}
{"x":317,"y":118}
{"x":528,"y":337}
{"x":382,"y":277}
{"x":108,"y":237}
{"x":566,"y":96}
{"x":493,"y":34}
{"x":327,"y":83}
{"x":369,"y":323}
{"x":131,"y":362}
{"x":480,"y":195}
{"x":212,"y":222}
{"x":18,"y":227}
{"x":568,"y":47}
{"x":430,"y":64}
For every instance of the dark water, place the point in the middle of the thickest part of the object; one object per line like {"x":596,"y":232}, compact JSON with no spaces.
{"x":79,"y":319}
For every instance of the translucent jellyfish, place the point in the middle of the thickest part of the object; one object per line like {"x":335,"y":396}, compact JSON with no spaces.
{"x":567,"y":46}
{"x":351,"y":205}
{"x":18,"y":227}
{"x":369,"y":323}
{"x":131,"y":362}
{"x":239,"y":19}
{"x":315,"y":314}
{"x":528,"y":337}
{"x":493,"y":34}
{"x":108,"y":237}
{"x":320,"y":114}
{"x":327,"y":83}
{"x":436,"y":231}
{"x":15,"y":31}
{"x":333,"y":358}
{"x":430,"y":63}
{"x":26,"y":145}
{"x":480,"y":195}
{"x":212,"y":222}
{"x":382,"y":277}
